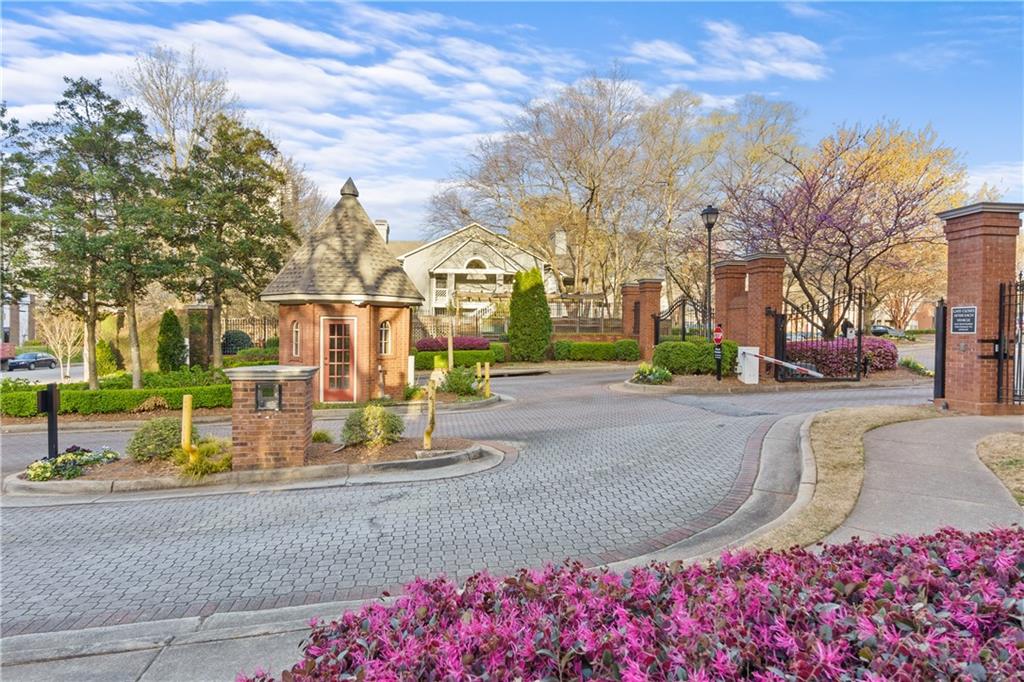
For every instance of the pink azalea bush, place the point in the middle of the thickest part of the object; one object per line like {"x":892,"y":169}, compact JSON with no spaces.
{"x":945,"y":606}
{"x":839,"y":357}
{"x":459,"y":343}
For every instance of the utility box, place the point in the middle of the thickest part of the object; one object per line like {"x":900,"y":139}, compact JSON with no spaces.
{"x":747,"y":364}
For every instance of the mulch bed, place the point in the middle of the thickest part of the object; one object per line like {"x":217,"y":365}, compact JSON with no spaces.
{"x":127,"y":469}
{"x":325,"y":453}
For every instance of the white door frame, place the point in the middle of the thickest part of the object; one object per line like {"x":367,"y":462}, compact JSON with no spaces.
{"x":355,"y":355}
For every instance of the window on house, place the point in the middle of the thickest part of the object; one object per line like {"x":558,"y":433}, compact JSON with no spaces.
{"x":385,"y":338}
{"x":476,"y":264}
{"x":296,"y":339}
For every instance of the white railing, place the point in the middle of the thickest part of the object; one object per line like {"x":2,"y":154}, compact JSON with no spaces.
{"x":485,"y":312}
{"x":441,"y":297}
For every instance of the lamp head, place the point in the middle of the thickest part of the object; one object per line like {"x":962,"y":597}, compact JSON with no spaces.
{"x":709,"y":215}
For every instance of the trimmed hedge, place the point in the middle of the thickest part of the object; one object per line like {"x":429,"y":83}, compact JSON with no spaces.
{"x":500,"y":351}
{"x":105,"y":401}
{"x":248,"y":357}
{"x":463,"y":358}
{"x":592,"y":350}
{"x":183,"y":378}
{"x":623,"y":349}
{"x":529,"y":320}
{"x":694,"y":357}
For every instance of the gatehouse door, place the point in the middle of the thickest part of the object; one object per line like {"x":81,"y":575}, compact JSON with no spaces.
{"x":338,"y":363}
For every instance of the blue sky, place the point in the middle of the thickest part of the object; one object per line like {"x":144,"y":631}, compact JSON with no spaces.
{"x":396,"y":94}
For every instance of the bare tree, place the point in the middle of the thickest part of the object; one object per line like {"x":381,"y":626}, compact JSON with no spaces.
{"x":181,"y":96}
{"x":303,"y":204}
{"x":63,"y":333}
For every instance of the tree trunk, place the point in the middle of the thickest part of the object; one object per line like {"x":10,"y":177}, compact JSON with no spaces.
{"x":91,"y":313}
{"x":133,"y":344}
{"x":217,"y":357}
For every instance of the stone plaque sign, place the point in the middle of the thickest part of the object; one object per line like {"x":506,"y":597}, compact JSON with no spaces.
{"x":963,"y":319}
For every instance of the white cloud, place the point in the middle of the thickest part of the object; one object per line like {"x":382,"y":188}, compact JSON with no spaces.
{"x":732,"y":55}
{"x":283,"y":33}
{"x":1006,"y":176}
{"x":803,"y":10}
{"x":662,"y":51}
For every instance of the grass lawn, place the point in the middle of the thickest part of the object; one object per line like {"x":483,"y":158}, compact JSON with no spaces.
{"x":1003,"y":453}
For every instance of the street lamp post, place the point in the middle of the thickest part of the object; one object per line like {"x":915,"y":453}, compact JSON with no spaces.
{"x":709,"y":215}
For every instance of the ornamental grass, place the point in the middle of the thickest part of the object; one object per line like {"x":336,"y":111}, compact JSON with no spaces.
{"x":944,"y":606}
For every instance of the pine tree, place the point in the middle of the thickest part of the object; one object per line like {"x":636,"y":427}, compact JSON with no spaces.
{"x":170,"y":343}
{"x":529,"y":324}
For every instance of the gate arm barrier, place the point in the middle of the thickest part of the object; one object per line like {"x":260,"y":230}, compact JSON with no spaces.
{"x":789,"y":365}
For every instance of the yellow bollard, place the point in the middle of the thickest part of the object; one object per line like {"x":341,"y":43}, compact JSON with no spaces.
{"x":428,"y":433}
{"x":186,"y":428}
{"x":487,"y":380}
{"x":479,"y":373}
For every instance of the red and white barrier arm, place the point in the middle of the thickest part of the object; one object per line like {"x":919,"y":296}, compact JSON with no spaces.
{"x":789,"y":365}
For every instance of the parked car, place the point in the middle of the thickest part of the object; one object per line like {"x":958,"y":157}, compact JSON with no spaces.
{"x":886,"y":330}
{"x":31,"y":361}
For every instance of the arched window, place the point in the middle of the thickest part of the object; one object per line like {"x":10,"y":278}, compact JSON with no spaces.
{"x":476,"y":264}
{"x":384,"y":338}
{"x":296,"y":339}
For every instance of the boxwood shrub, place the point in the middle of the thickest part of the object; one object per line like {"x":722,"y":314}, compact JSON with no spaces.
{"x":694,"y":357}
{"x":500,"y":351}
{"x":592,"y":350}
{"x":562,"y":350}
{"x":627,"y":349}
{"x":105,"y":401}
{"x":463,"y":358}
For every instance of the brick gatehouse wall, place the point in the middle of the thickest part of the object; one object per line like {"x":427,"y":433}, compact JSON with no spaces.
{"x":982,"y":253}
{"x":641,"y":301}
{"x":367,"y":317}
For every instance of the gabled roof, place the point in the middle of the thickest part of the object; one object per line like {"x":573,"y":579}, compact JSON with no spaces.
{"x":472,"y":226}
{"x":397,"y":247}
{"x":343,"y":259}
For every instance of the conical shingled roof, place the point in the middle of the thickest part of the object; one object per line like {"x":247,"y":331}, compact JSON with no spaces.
{"x":343,"y":260}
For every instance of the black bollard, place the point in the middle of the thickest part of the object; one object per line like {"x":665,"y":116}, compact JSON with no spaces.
{"x":48,"y":401}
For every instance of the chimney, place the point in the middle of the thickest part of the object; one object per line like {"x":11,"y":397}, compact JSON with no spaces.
{"x":384,"y":228}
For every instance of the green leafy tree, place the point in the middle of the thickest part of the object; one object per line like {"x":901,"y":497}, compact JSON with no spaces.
{"x":93,"y":198}
{"x":529,"y":324}
{"x":15,"y":220}
{"x":170,"y":343}
{"x":231,"y":220}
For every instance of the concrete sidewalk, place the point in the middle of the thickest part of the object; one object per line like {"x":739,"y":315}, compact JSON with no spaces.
{"x":922,"y":475}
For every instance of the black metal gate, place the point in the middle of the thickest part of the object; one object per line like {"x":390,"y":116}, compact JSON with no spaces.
{"x":671,"y":321}
{"x":939,"y":387}
{"x":823,"y":336}
{"x":1009,"y":346}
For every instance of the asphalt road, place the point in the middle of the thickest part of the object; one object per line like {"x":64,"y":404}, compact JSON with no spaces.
{"x":45,"y":375}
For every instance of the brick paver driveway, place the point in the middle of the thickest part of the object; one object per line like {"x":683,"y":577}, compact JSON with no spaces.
{"x":598,"y":472}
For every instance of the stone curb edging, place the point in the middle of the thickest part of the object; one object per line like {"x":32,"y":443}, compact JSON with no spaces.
{"x":629,"y":387}
{"x":12,"y":485}
{"x":404,"y":409}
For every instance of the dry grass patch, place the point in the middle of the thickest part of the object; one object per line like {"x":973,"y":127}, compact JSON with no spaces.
{"x":1003,"y":453}
{"x":837,"y":439}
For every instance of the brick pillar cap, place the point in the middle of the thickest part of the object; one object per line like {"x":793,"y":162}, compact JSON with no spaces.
{"x":631,"y":285}
{"x":764,"y":255}
{"x":271,"y":373}
{"x":981,"y":207}
{"x":651,"y":280}
{"x":734,"y":262}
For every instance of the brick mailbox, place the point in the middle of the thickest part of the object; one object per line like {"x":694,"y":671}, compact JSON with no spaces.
{"x":271,"y":415}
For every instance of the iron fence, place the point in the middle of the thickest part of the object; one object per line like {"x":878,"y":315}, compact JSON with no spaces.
{"x":1008,"y":347}
{"x":259,"y":329}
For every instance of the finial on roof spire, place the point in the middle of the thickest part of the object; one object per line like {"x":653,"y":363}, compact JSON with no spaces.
{"x":349,"y":189}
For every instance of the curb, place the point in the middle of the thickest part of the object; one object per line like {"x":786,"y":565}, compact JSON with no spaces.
{"x":15,"y":487}
{"x":629,"y":387}
{"x":404,"y":409}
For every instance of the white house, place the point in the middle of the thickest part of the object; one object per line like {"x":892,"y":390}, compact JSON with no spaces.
{"x":466,"y":268}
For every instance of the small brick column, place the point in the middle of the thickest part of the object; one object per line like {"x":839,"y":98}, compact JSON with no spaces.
{"x":650,"y":305}
{"x":276,"y":435}
{"x":730,"y":283}
{"x":764,"y":290}
{"x":630,"y":297}
{"x":982,"y":252}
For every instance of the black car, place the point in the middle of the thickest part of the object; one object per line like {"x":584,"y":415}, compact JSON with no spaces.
{"x":31,"y":361}
{"x":885,"y":330}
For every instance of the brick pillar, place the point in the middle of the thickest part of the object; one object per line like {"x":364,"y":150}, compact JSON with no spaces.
{"x":630,"y":297}
{"x":650,"y":304}
{"x":982,"y":252}
{"x":730,"y":282}
{"x":271,"y":438}
{"x":764,"y":290}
